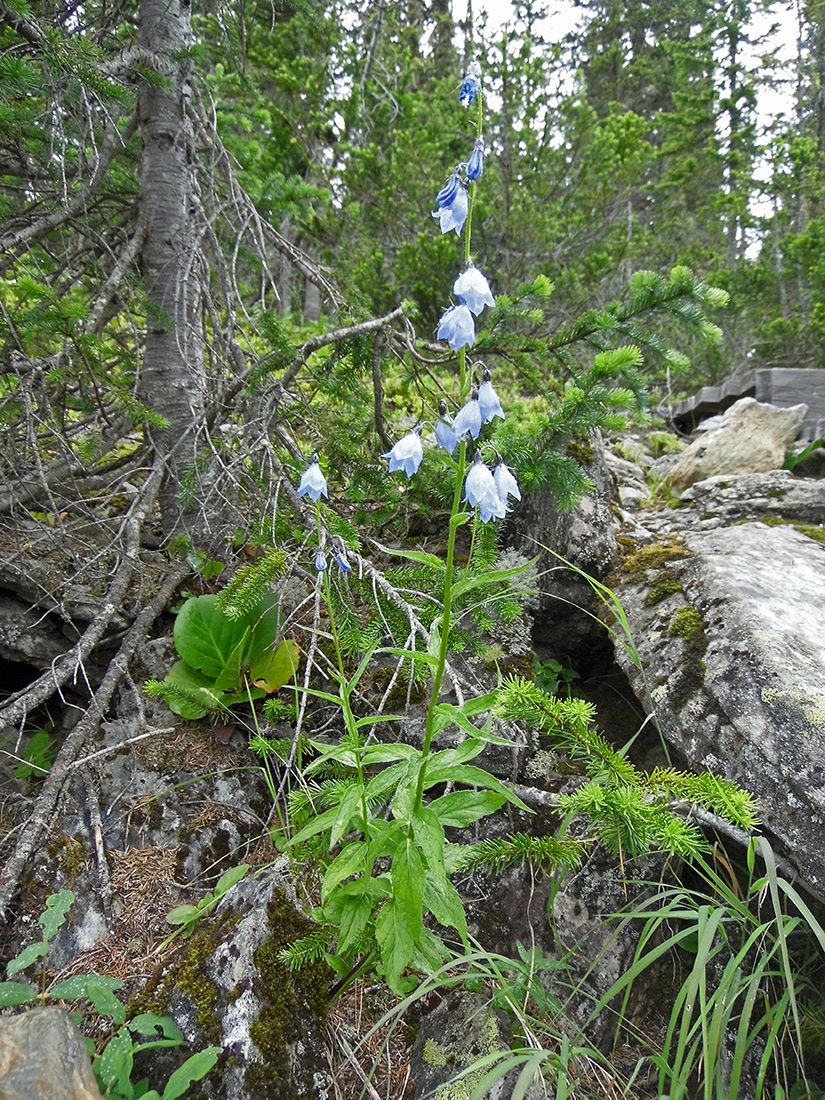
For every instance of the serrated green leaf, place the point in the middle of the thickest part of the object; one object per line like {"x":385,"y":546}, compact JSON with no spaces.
{"x":443,"y":901}
{"x":26,"y":957}
{"x":404,"y":797}
{"x":429,"y":836}
{"x":349,"y":806}
{"x":54,"y":915}
{"x":351,"y":861}
{"x":395,"y":942}
{"x":318,"y":824}
{"x":460,"y":808}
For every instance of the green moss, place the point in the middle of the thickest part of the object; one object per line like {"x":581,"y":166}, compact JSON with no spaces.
{"x":663,"y":586}
{"x":581,"y":450}
{"x":687,"y":623}
{"x":655,"y":556}
{"x":434,"y":1054}
{"x":286,"y":997}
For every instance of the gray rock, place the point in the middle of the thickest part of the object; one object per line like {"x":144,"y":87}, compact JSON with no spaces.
{"x":729,"y":632}
{"x":751,"y":438}
{"x":228,"y":987}
{"x":463,"y":1029}
{"x":778,"y":493}
{"x":43,"y":1057}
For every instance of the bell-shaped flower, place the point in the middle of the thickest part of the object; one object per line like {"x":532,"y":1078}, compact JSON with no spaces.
{"x":313,"y":483}
{"x":480,"y":491}
{"x":446,"y":196}
{"x":470,"y":84}
{"x":407,"y":453}
{"x":468,"y":418}
{"x":473,"y":290}
{"x":488,"y":399}
{"x":475,"y":165}
{"x":444,"y":433}
{"x":343,"y":561}
{"x":506,"y":484}
{"x":457,"y":328}
{"x":454,"y":214}
{"x":320,"y":561}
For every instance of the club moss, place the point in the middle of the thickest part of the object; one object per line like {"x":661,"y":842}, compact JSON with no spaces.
{"x":687,"y":623}
{"x":654,"y":556}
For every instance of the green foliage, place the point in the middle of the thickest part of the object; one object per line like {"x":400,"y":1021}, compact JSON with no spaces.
{"x":146,"y":1031}
{"x":186,"y":917}
{"x":550,"y":675}
{"x":227,"y":660}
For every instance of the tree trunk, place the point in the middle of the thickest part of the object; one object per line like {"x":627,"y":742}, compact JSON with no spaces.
{"x":172,"y":378}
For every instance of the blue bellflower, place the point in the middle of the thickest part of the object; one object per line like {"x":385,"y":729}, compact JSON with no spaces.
{"x":446,"y":196}
{"x":407,"y":454}
{"x":473,"y":290}
{"x":470,"y":84}
{"x":453,"y":215}
{"x":320,"y":561}
{"x":469,"y":418}
{"x":475,"y":165}
{"x":313,"y":483}
{"x":480,"y":492}
{"x":506,"y":484}
{"x":457,"y":328}
{"x":444,"y":433}
{"x":488,"y":399}
{"x":343,"y":561}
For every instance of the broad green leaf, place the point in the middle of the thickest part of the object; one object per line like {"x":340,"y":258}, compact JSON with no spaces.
{"x":193,"y":1069}
{"x":353,"y":921}
{"x":429,"y":836}
{"x":15,"y":993}
{"x":181,"y":675}
{"x":229,"y":677}
{"x":382,"y":754}
{"x":70,"y":989}
{"x":204,"y":637}
{"x":451,"y":758}
{"x":407,"y":876}
{"x":418,"y":556}
{"x":318,"y":824}
{"x":460,"y":808}
{"x":377,"y":719}
{"x":26,"y":957}
{"x":114,"y":1066}
{"x":396,"y":943}
{"x":149,"y":1023}
{"x":443,"y":901}
{"x":472,"y":777}
{"x":229,"y":878}
{"x":265,"y":621}
{"x":104,"y":1000}
{"x":380,"y":785}
{"x":412,"y":654}
{"x":457,"y":717}
{"x":54,"y":915}
{"x":351,"y":861}
{"x":349,"y":806}
{"x":183,"y":914}
{"x":272,"y":672}
{"x":404,"y":797}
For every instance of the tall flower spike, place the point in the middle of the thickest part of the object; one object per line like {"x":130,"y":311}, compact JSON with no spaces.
{"x":506,"y":484}
{"x":469,"y":418}
{"x":480,"y":491}
{"x":313,"y":483}
{"x":407,"y":453}
{"x":488,"y":399}
{"x":473,"y":290}
{"x":475,"y":165}
{"x":457,"y":328}
{"x":453,"y":215}
{"x":444,"y":433}
{"x":469,"y":85}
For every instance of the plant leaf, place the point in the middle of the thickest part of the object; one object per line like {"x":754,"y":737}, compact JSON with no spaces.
{"x":26,"y":957}
{"x":460,"y":808}
{"x":193,"y":1069}
{"x":15,"y":993}
{"x":274,"y":670}
{"x":229,"y":878}
{"x":54,"y":915}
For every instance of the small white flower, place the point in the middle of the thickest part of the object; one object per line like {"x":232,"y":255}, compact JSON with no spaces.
{"x":473,"y":290}
{"x":313,"y":483}
{"x":407,"y":454}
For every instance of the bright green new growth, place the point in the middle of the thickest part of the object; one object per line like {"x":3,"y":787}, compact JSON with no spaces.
{"x":113,"y":1067}
{"x":226,"y":660}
